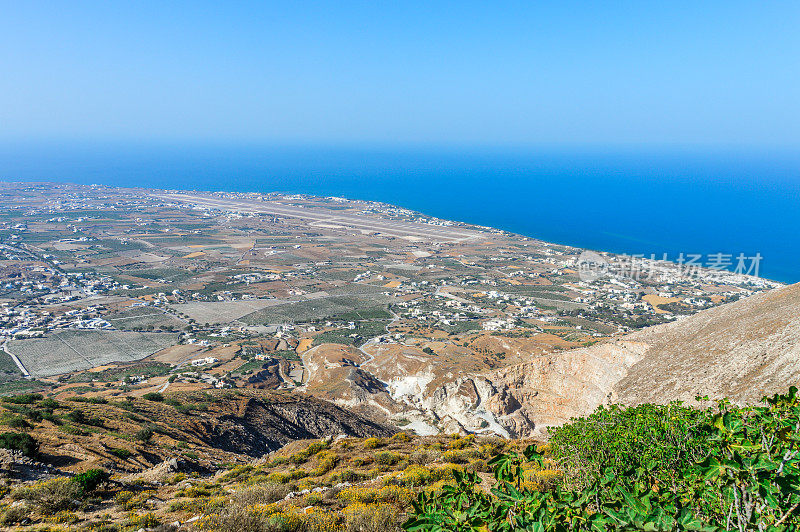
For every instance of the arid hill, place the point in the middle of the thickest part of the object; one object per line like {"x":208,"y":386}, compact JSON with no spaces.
{"x":743,"y":351}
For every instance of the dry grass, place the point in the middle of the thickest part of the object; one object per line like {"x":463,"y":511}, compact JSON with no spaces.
{"x":351,"y":484}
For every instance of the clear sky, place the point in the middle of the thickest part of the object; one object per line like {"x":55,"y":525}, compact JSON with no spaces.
{"x":633,"y":72}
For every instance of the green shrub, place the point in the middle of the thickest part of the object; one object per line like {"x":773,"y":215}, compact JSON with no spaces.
{"x":326,"y":461}
{"x":49,"y":403}
{"x":461,"y":443}
{"x":455,"y":457}
{"x":120,"y":452}
{"x":144,"y":434}
{"x":70,"y":429}
{"x":262,"y":494}
{"x":349,"y":475}
{"x":373,"y":443}
{"x":19,"y":442}
{"x":76,"y":416}
{"x":90,"y":480}
{"x":278,"y":460}
{"x":665,"y":439}
{"x":360,"y":461}
{"x":313,"y":448}
{"x":387,"y":458}
{"x":18,"y":422}
{"x":147,"y":521}
{"x":14,"y":515}
{"x":658,"y":468}
{"x":23,"y":398}
{"x":401,"y":437}
{"x":90,"y":400}
{"x":34,"y":414}
{"x":153,"y":396}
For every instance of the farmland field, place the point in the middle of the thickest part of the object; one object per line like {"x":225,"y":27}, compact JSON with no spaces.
{"x":142,"y":317}
{"x":363,"y":331}
{"x":223,"y":311}
{"x":72,"y":350}
{"x":315,"y":309}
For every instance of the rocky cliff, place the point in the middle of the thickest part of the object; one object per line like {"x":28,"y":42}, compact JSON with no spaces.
{"x":743,"y":351}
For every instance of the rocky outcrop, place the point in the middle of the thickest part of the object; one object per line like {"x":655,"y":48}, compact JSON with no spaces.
{"x":261,"y":424}
{"x":552,"y":389}
{"x":13,"y":464}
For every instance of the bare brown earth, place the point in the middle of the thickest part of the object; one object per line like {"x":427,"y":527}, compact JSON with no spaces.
{"x":742,"y":351}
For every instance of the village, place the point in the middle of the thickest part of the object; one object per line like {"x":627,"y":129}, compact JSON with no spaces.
{"x":233,"y":290}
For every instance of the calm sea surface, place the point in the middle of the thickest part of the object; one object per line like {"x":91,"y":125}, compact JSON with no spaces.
{"x":637,"y":202}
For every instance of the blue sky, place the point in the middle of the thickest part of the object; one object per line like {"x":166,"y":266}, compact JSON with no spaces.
{"x":494,"y":73}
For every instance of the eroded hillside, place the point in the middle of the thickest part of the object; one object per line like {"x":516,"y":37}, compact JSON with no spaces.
{"x":742,"y":350}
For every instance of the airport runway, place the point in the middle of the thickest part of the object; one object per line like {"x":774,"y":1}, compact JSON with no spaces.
{"x":356,"y":221}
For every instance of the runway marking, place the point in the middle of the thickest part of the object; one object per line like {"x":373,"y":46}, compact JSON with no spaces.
{"x":386,"y":227}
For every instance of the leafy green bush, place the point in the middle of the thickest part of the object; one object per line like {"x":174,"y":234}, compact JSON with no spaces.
{"x":34,"y":414}
{"x":313,"y":448}
{"x":373,"y":443}
{"x":154,"y":396}
{"x":90,"y":480}
{"x":80,"y":417}
{"x":90,"y":400}
{"x":144,"y":435}
{"x":19,"y":442}
{"x":386,"y":458}
{"x":49,"y":403}
{"x":76,"y":416}
{"x":663,"y":440}
{"x":23,"y":398}
{"x":733,"y":469}
{"x":18,"y":422}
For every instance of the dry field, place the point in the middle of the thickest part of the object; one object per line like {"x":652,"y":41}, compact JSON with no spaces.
{"x":223,"y":311}
{"x":72,"y":350}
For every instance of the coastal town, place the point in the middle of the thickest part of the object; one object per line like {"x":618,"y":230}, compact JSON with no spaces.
{"x":192,"y":290}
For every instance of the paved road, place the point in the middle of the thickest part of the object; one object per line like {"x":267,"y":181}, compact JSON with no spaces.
{"x":16,"y":360}
{"x":370,"y":358}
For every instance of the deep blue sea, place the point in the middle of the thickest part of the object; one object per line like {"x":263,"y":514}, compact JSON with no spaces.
{"x":621,"y":200}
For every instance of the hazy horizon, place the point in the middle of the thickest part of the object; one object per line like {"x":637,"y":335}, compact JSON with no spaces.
{"x":574,"y":73}
{"x":627,"y":201}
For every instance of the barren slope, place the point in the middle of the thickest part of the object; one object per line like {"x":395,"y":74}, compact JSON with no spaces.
{"x":741,"y":350}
